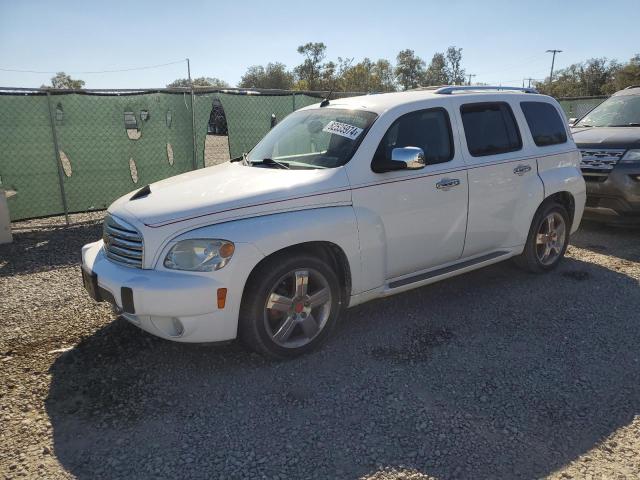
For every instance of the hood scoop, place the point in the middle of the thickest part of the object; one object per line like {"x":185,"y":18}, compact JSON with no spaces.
{"x":143,"y":192}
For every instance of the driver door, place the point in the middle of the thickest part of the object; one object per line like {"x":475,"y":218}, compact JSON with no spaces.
{"x":423,"y":213}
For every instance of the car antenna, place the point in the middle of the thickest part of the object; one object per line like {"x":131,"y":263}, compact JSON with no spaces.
{"x":325,"y":101}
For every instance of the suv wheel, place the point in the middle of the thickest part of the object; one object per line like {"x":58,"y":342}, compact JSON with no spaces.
{"x":547,"y":241}
{"x":290,"y":306}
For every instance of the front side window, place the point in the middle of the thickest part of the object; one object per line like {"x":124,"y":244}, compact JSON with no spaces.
{"x":546,"y":126}
{"x":316,"y":138}
{"x":619,"y":111}
{"x":490,"y":128}
{"x":429,"y":130}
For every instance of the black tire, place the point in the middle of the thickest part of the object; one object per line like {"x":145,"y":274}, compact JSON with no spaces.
{"x":529,"y":259}
{"x":253,"y":329}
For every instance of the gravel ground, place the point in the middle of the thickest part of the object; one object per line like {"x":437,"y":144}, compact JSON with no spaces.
{"x":494,"y":374}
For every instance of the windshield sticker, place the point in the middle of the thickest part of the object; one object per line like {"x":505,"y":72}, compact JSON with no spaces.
{"x":343,"y":129}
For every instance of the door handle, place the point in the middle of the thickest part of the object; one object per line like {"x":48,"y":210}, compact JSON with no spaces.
{"x":521,"y":169}
{"x":447,"y":183}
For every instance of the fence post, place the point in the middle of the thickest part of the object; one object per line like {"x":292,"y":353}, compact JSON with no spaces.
{"x":57,"y":156}
{"x":193,"y":118}
{"x":293,"y":102}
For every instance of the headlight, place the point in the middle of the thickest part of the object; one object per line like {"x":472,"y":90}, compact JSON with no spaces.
{"x":199,"y":255}
{"x":632,"y":156}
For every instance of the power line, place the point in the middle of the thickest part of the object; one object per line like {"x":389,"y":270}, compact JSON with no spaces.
{"x":147,"y":67}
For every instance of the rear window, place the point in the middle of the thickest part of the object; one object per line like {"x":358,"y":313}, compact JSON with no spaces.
{"x":490,"y":128}
{"x":546,"y":126}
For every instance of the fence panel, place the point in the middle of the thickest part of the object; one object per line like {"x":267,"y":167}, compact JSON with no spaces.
{"x":104,"y":160}
{"x":579,"y":107}
{"x":28,"y":169}
{"x":111,"y":143}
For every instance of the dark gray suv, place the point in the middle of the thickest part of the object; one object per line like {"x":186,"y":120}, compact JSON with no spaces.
{"x":609,"y":140}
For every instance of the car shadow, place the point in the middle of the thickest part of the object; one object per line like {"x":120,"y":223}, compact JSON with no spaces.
{"x":493,"y":374}
{"x":37,"y":250}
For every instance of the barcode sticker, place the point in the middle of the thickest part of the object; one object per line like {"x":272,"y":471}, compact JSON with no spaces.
{"x":342,"y":129}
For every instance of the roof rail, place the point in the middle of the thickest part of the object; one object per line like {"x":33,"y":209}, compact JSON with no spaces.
{"x":631,"y":86}
{"x":450,"y":89}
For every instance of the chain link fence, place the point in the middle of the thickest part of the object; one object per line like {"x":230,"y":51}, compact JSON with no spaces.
{"x":76,"y":151}
{"x":578,"y":107}
{"x":65,"y":151}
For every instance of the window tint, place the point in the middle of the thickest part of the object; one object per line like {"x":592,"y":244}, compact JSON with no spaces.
{"x":544,"y":122}
{"x":428,"y":129}
{"x":490,"y":128}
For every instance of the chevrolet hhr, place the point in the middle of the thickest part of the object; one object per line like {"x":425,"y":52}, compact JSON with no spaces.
{"x":340,"y":203}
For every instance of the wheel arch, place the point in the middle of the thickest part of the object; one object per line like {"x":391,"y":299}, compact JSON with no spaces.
{"x":325,"y":250}
{"x":564,"y":198}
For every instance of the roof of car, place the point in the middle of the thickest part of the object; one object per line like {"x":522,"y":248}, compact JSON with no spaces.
{"x":381,"y":102}
{"x":630,"y":90}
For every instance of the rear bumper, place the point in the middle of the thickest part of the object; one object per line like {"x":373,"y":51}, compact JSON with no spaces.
{"x":178,"y":306}
{"x":617,"y":197}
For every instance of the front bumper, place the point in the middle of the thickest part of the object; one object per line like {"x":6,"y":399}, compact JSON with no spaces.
{"x":175,"y":305}
{"x":615,"y":197}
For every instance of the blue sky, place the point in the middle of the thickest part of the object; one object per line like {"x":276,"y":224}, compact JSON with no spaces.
{"x":502,"y":41}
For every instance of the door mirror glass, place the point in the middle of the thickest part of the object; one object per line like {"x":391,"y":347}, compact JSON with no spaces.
{"x":413,"y":157}
{"x":404,"y":158}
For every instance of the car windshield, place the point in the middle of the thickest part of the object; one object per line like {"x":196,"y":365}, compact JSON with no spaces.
{"x":620,"y":111}
{"x":316,"y":138}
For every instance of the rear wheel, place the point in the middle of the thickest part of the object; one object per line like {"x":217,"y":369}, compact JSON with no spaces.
{"x":547,"y":241}
{"x":290,"y":305}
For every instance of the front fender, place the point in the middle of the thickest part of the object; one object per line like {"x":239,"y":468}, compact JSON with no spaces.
{"x":271,"y":233}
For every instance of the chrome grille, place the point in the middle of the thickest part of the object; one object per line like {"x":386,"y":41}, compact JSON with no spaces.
{"x":122,"y":242}
{"x":599,"y":160}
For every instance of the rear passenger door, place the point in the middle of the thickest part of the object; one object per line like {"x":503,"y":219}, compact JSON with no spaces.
{"x":503,"y":179}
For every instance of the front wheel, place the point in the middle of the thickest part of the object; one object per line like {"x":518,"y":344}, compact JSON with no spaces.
{"x":547,"y":241}
{"x":290,"y":306}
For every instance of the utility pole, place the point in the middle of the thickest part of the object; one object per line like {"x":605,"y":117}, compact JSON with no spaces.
{"x":193,"y":118}
{"x":553,"y":60}
{"x":471,"y":75}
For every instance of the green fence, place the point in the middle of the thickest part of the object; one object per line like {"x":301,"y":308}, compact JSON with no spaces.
{"x":578,"y":107}
{"x":64,"y":152}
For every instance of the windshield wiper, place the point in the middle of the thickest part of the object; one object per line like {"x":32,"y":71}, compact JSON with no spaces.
{"x":632,"y":124}
{"x":271,"y":162}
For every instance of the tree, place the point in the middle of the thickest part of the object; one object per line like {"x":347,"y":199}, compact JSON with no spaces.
{"x":624,"y":76}
{"x":596,"y":76}
{"x":368,"y":76}
{"x":199,"y":82}
{"x":311,"y":68}
{"x":436,"y":73}
{"x":455,"y":72}
{"x":384,"y":77}
{"x":62,"y":80}
{"x":274,"y":75}
{"x":409,"y":69}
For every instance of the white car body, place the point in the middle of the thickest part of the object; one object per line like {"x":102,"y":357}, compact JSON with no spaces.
{"x":395,"y":230}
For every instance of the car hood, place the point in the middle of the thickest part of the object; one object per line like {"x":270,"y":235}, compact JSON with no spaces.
{"x":233,"y":190}
{"x":603,"y":137}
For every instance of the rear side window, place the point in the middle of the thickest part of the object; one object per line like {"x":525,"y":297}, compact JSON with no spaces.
{"x":490,"y":128}
{"x":547,"y":128}
{"x":428,"y":129}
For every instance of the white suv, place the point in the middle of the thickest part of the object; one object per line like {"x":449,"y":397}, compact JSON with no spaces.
{"x":340,"y":203}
